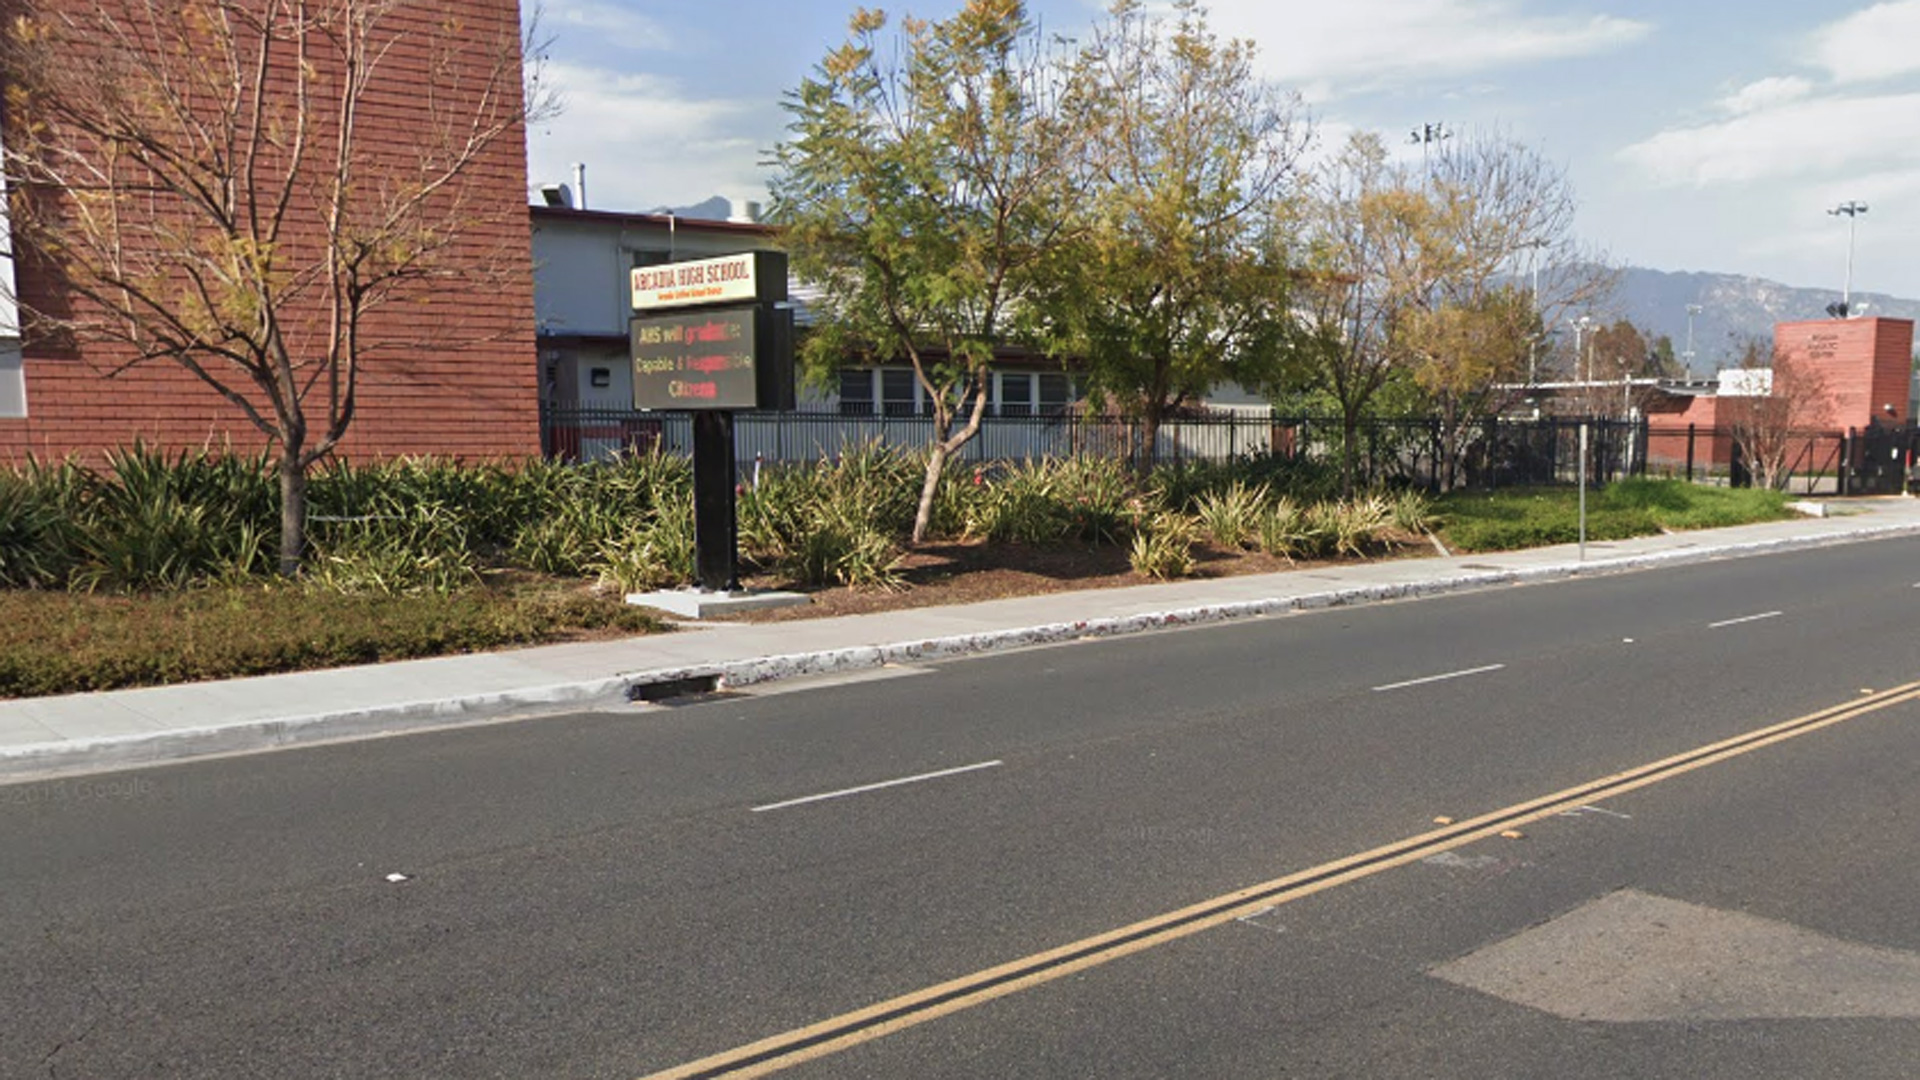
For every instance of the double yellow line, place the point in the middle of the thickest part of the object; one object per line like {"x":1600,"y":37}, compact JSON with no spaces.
{"x":884,"y":1018}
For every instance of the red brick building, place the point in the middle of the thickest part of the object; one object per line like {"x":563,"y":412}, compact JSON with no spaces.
{"x":452,"y":368}
{"x":1862,"y":368}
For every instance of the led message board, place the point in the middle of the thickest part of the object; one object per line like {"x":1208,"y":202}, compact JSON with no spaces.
{"x":714,"y":358}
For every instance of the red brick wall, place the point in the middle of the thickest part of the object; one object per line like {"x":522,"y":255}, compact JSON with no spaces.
{"x":1864,"y":363}
{"x":455,"y":375}
{"x":1667,"y":438}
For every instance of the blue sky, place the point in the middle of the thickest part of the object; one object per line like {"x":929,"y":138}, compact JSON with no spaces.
{"x":1699,"y":134}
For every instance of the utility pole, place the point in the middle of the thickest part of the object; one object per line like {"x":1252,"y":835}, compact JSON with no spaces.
{"x":1851,"y":209}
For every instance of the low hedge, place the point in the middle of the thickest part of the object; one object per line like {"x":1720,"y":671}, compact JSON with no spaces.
{"x":59,"y":642}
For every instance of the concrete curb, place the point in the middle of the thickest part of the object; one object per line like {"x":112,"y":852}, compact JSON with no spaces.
{"x":749,"y":672}
{"x":72,"y":756}
{"x":47,"y":760}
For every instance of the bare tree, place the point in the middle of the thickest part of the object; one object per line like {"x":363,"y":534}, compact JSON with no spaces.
{"x":1771,"y":428}
{"x":1416,"y":268}
{"x":209,"y":183}
{"x":1352,"y":291}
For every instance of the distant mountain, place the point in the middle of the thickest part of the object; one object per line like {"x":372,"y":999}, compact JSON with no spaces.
{"x":1733,"y":309}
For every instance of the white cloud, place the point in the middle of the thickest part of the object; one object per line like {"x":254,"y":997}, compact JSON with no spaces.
{"x":1368,"y":44}
{"x":1876,"y":43}
{"x":647,"y":143}
{"x":1767,"y":93}
{"x":604,"y":23}
{"x":1813,"y":137}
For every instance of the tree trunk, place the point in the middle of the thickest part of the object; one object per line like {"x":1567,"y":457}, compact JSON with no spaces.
{"x":1149,"y":441}
{"x":1349,"y":450}
{"x":293,"y":513}
{"x":946,"y":444}
{"x":923,"y":517}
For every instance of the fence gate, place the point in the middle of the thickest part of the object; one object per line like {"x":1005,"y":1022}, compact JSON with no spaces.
{"x":1883,"y":459}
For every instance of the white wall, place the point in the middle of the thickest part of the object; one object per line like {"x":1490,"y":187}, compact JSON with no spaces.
{"x":581,"y":267}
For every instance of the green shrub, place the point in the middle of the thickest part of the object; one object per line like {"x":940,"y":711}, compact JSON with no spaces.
{"x":1051,"y":501}
{"x":847,"y":551}
{"x":957,"y":501}
{"x":1163,"y":547}
{"x":1231,"y":517}
{"x":158,"y":521}
{"x":37,"y":534}
{"x":61,"y":643}
{"x":1286,"y":532}
{"x":1355,"y":525}
{"x":1412,"y":512}
{"x":654,"y":555}
{"x":1179,"y":486}
{"x":832,"y":523}
{"x":1023,"y":504}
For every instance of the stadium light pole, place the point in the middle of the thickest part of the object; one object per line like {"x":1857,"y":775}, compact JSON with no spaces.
{"x":1851,"y":209}
{"x":1580,"y":328}
{"x":1534,"y":246}
{"x":1692,"y":310}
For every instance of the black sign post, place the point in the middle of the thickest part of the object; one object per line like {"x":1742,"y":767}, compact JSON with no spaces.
{"x":709,"y":361}
{"x":715,"y":524}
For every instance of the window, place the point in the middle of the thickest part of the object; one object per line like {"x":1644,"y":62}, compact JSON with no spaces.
{"x":600,"y":378}
{"x":649,"y":258}
{"x":1016,"y":394}
{"x":1056,"y":393}
{"x":856,"y":392}
{"x":13,"y":382}
{"x":897,"y":392}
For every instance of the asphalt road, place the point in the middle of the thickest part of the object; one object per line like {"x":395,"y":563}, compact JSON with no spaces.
{"x":613,"y":895}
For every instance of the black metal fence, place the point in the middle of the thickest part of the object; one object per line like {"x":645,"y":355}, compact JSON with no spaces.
{"x":1491,"y":453}
{"x":1879,"y":459}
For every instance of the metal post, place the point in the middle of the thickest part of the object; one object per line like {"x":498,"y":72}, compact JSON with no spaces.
{"x":1851,"y":209}
{"x":1689,"y":453}
{"x":1583,"y":491}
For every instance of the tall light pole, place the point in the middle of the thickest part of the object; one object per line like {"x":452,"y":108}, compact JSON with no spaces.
{"x":1533,"y":346}
{"x":1692,"y":310}
{"x":1852,"y":209}
{"x":1580,"y":328}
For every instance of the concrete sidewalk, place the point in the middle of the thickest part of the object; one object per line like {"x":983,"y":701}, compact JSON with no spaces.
{"x":128,"y":728}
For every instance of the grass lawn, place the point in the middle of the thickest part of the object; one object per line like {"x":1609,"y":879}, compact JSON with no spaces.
{"x":1536,"y":517}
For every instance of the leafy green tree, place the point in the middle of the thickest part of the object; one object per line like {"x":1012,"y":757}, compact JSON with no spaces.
{"x":922,"y":187}
{"x":1176,"y":283}
{"x":1665,"y":361}
{"x":1464,"y":351}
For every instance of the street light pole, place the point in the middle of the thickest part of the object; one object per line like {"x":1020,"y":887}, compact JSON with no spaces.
{"x":1851,"y":209}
